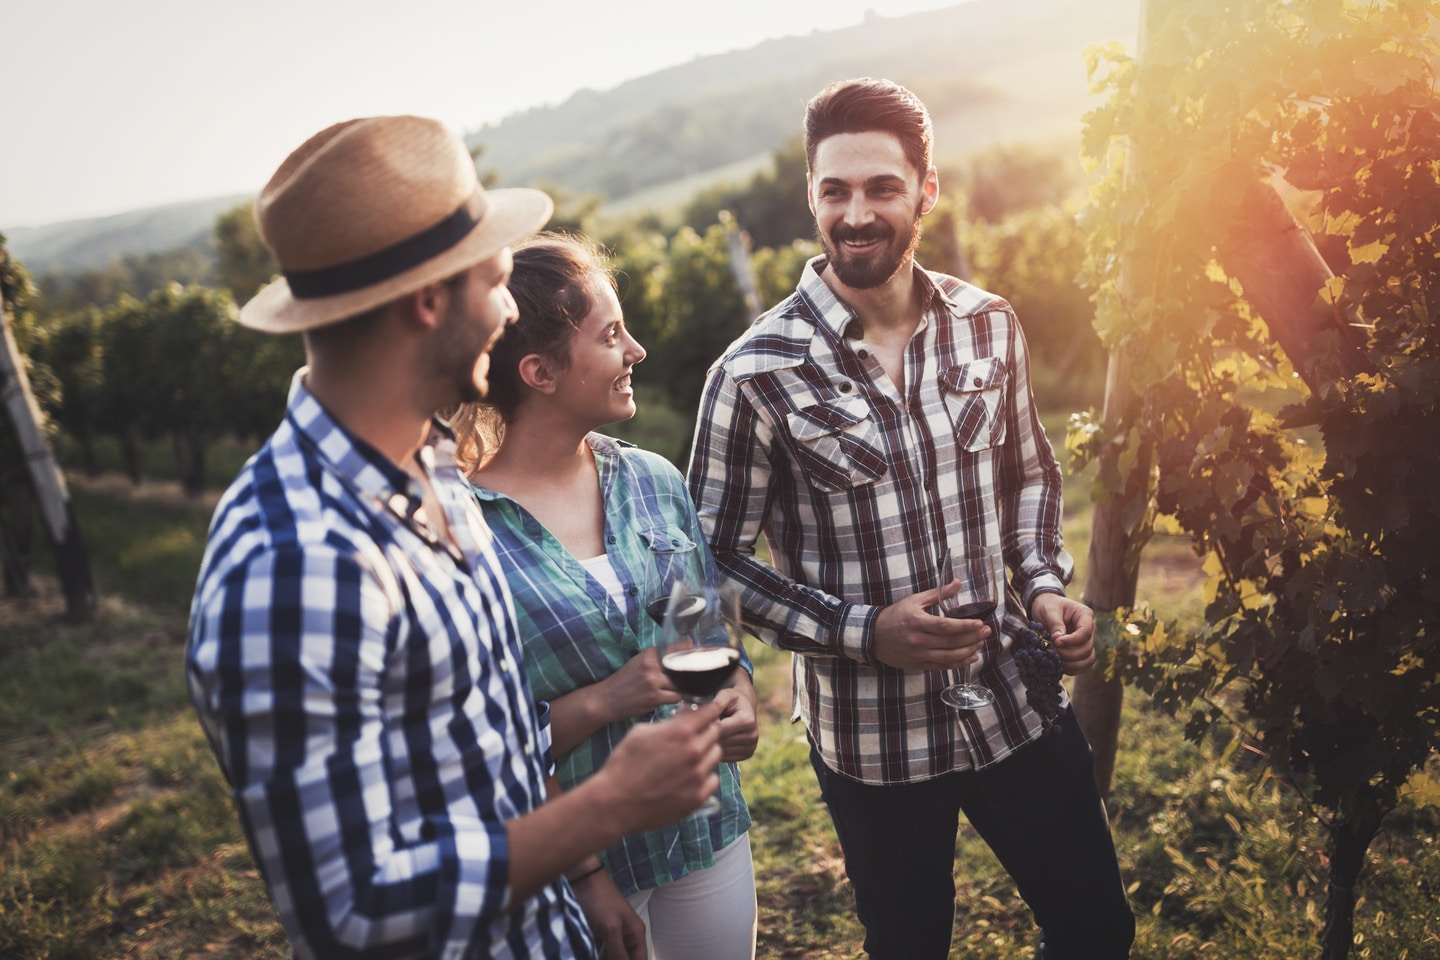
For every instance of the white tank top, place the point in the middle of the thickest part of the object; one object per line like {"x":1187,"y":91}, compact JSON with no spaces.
{"x":604,"y":571}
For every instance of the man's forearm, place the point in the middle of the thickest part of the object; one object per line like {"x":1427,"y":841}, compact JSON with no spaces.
{"x":563,"y":833}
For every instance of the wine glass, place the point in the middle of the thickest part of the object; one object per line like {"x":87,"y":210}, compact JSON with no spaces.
{"x":700,"y":646}
{"x":681,"y":565}
{"x":973,"y":601}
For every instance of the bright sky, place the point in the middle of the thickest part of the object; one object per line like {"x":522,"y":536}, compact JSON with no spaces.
{"x":114,"y":106}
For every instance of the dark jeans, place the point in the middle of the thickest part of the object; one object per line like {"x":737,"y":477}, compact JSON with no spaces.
{"x":1040,"y":811}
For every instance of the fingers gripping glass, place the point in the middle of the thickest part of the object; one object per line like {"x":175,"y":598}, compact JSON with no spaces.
{"x":973,"y":601}
{"x":700,"y":646}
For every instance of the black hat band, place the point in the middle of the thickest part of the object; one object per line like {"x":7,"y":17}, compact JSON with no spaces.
{"x":377,"y":267}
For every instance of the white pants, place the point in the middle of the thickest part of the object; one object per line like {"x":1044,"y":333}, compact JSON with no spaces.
{"x":705,"y":915}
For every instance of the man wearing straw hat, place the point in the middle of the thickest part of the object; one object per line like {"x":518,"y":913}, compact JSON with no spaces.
{"x":352,"y":649}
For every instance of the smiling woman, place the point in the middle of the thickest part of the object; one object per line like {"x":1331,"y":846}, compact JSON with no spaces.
{"x":583,"y":524}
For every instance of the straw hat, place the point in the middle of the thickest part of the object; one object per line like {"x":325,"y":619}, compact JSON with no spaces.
{"x":371,"y":209}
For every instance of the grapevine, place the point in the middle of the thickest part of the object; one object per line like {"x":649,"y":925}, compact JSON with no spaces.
{"x":1041,"y":670}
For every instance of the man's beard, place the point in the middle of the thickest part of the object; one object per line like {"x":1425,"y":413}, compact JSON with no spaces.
{"x":459,"y":351}
{"x":867,"y":271}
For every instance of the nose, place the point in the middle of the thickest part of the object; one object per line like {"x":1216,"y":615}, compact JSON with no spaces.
{"x":511,"y":308}
{"x":634,"y":352}
{"x":857,"y":211}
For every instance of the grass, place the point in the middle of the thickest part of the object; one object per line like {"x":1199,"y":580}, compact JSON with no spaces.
{"x":118,"y":838}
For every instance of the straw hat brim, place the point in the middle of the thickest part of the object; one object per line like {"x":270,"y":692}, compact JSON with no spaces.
{"x":513,"y":214}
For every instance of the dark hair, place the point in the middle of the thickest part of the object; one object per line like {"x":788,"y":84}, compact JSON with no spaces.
{"x":552,"y":284}
{"x":866,"y":104}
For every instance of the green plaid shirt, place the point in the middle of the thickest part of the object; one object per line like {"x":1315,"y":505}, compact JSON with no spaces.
{"x":574,"y":634}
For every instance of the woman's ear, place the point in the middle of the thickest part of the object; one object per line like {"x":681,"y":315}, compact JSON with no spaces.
{"x":536,"y":373}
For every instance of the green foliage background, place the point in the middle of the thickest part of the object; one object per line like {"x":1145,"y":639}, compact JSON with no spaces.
{"x":1316,"y":512}
{"x":1305,"y":677}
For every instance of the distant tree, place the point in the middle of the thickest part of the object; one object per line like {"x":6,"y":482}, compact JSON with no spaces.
{"x":190,"y":398}
{"x":255,"y":373}
{"x":940,"y":247}
{"x":243,"y":264}
{"x":574,"y":212}
{"x":73,"y":354}
{"x":683,"y":305}
{"x":771,"y":206}
{"x":489,"y":176}
{"x":778,"y":269}
{"x":1032,"y":259}
{"x":66,"y":292}
{"x":139,"y":275}
{"x":129,"y":375}
{"x":1010,"y":178}
{"x":189,"y":264}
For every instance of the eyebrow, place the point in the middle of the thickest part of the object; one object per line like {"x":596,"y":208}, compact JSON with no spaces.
{"x":883,"y":179}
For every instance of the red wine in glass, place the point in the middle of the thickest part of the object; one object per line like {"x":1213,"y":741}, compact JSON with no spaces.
{"x":687,"y":614}
{"x":970,"y":604}
{"x":699,"y":647}
{"x":699,"y":673}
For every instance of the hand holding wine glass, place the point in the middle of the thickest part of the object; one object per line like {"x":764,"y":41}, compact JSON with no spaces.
{"x":971,"y":602}
{"x":700,"y":645}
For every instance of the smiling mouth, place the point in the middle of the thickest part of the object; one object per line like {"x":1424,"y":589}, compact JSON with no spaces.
{"x":623,"y":383}
{"x":861,"y":242}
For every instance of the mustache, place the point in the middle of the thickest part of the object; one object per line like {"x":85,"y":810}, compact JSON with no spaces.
{"x":865,"y":234}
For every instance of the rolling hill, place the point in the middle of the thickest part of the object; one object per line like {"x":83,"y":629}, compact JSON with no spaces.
{"x":991,"y":71}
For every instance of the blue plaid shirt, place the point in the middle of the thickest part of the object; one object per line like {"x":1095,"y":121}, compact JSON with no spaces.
{"x":359,"y":681}
{"x":575,"y":635}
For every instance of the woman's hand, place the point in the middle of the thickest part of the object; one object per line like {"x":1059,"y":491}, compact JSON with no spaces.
{"x":634,"y":690}
{"x":638,"y":687}
{"x":619,"y":931}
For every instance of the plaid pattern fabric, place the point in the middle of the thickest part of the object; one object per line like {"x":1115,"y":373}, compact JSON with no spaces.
{"x":574,"y":634}
{"x":360,"y":682}
{"x":858,"y":490}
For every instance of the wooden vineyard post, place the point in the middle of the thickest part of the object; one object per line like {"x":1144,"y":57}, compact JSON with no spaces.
{"x":51,"y":496}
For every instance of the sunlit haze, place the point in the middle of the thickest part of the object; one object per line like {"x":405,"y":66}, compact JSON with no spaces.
{"x":112,"y":107}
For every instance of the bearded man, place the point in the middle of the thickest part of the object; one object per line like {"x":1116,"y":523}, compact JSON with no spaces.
{"x":878,"y":428}
{"x":354,"y":656}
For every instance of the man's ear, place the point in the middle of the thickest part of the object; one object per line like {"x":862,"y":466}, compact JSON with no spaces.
{"x":537,"y":373}
{"x":427,"y":305}
{"x":930,"y":190}
{"x":809,"y":196}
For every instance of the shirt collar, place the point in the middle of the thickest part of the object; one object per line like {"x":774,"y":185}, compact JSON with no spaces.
{"x":356,"y":463}
{"x":836,"y":316}
{"x":606,"y":450}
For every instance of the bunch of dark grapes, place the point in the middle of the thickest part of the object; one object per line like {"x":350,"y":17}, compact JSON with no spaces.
{"x":1041,"y":670}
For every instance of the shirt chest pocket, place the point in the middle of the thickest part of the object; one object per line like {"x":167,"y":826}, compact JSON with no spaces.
{"x":673,"y":556}
{"x":838,"y":444}
{"x":974,"y":395}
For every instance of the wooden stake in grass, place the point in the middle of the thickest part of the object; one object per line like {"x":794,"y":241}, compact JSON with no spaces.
{"x":45,"y":478}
